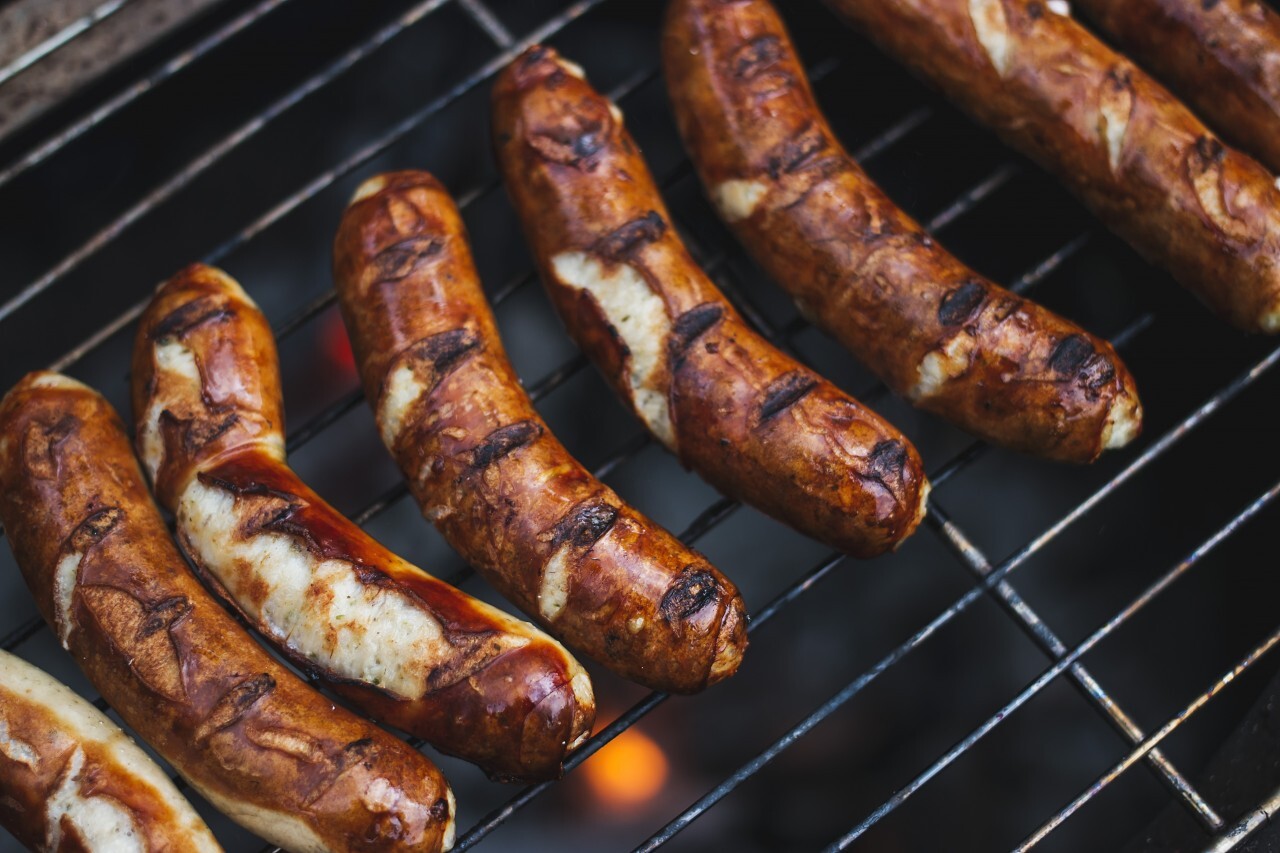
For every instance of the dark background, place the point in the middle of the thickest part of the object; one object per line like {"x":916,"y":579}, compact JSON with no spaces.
{"x":1041,"y":756}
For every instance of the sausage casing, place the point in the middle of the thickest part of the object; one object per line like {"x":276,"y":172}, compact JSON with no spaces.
{"x":1134,"y":154}
{"x":1221,"y":56}
{"x":752,"y":421}
{"x":548,"y":535}
{"x":935,"y":331}
{"x":253,"y":739}
{"x":69,"y":776}
{"x":400,"y":644}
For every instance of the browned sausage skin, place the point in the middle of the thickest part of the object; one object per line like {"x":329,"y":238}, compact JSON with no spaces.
{"x":398,"y":643}
{"x":1221,"y":56}
{"x":754,"y":422}
{"x":70,"y":779}
{"x":263,"y":747}
{"x":535,"y":523}
{"x":935,"y":331}
{"x":1128,"y":149}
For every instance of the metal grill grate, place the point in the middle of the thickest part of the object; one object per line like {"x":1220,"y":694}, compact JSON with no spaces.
{"x":1202,"y":475}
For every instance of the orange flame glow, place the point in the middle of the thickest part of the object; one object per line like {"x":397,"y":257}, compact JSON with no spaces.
{"x":628,"y":772}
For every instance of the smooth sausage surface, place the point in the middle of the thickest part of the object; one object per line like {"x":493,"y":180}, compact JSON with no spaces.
{"x":935,"y":331}
{"x":1132,"y":152}
{"x":401,"y":645}
{"x":253,"y":739}
{"x":71,"y":779}
{"x":755,"y":423}
{"x":1221,"y":56}
{"x":549,"y":536}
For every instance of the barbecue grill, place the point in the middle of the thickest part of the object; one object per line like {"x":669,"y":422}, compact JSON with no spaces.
{"x":1051,"y":661}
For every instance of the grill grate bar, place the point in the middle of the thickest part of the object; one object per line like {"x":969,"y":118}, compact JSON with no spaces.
{"x":75,"y":28}
{"x":487,"y":21}
{"x":211,"y":156}
{"x":1147,"y":745}
{"x":1018,"y":609}
{"x":1108,"y":628}
{"x":1240,"y":831}
{"x":126,"y":97}
{"x":637,"y":712}
{"x":328,"y":178}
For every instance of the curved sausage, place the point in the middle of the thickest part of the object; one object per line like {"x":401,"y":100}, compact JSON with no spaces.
{"x":752,"y":421}
{"x":69,"y":778}
{"x":1221,"y":56}
{"x":550,"y":537}
{"x":263,"y":747}
{"x":401,"y":645}
{"x":1133,"y":153}
{"x":935,"y":331}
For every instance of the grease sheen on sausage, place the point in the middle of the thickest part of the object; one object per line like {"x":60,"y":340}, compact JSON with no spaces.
{"x":1134,"y":154}
{"x":548,"y":535}
{"x":400,"y":644}
{"x":1221,"y":56}
{"x":255,"y":741}
{"x":70,"y":779}
{"x":938,"y":333}
{"x":755,"y":423}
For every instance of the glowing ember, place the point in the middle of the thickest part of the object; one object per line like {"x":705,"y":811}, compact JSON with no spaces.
{"x":628,"y":772}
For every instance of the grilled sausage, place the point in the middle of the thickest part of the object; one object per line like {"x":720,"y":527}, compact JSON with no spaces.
{"x":488,"y":472}
{"x":259,"y":744}
{"x":401,"y":645}
{"x":1221,"y":56}
{"x":70,"y":779}
{"x":755,"y":423}
{"x":1127,"y":148}
{"x":931,"y":328}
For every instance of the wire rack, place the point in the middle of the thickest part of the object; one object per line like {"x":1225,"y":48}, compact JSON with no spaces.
{"x":294,"y":129}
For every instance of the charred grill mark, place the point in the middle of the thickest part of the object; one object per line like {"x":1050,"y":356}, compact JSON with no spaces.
{"x":693,"y":590}
{"x":585,"y":524}
{"x":371,"y":575}
{"x":473,"y":652}
{"x":756,"y":56}
{"x":887,"y":461}
{"x":93,"y":529}
{"x":445,"y":352}
{"x":784,"y":392}
{"x":240,"y":488}
{"x":397,"y":261}
{"x":960,"y":303}
{"x":1070,"y":355}
{"x":39,"y":447}
{"x":533,"y":56}
{"x":689,"y":326}
{"x":163,"y":615}
{"x":1098,"y":372}
{"x":1211,"y":152}
{"x":196,"y":432}
{"x":797,"y":153}
{"x":624,"y":241}
{"x":1209,"y":5}
{"x":439,"y":811}
{"x":178,"y":322}
{"x":575,"y":140}
{"x":502,"y":441}
{"x":233,"y":705}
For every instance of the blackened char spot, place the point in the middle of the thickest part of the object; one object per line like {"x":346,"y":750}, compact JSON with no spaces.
{"x":784,"y":392}
{"x":585,"y":524}
{"x":1211,"y":151}
{"x":571,"y":142}
{"x":886,"y":460}
{"x":94,"y":528}
{"x":439,"y":810}
{"x":756,"y":56}
{"x":445,"y":351}
{"x":1209,"y":5}
{"x":1097,"y":372}
{"x":689,"y":593}
{"x":626,"y":240}
{"x":960,"y":302}
{"x":163,"y":615}
{"x":534,"y":55}
{"x":249,"y":488}
{"x":689,"y":326}
{"x":1120,"y":78}
{"x":1035,"y":11}
{"x":502,"y":441}
{"x":1070,"y":355}
{"x":397,"y":261}
{"x":797,"y":152}
{"x":187,"y":317}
